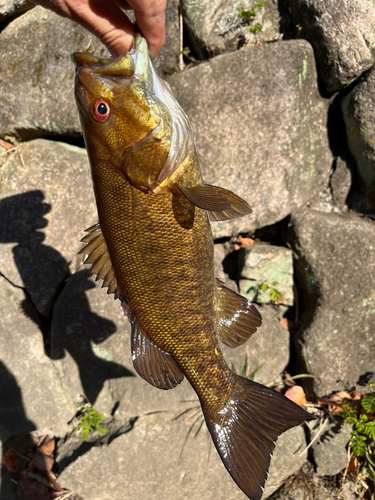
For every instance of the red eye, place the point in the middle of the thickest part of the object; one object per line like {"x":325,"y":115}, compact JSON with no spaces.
{"x":101,"y":110}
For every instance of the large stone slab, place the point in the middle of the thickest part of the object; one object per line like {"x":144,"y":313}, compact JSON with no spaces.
{"x":152,"y":461}
{"x":337,"y":274}
{"x":37,"y":77}
{"x":358,"y":108}
{"x":215,"y":27}
{"x":342,"y":33}
{"x":31,"y":396}
{"x":46,"y":202}
{"x":90,"y":340}
{"x":260,"y":129}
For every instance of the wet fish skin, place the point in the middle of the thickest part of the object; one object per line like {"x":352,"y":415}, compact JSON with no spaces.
{"x":154,"y":231}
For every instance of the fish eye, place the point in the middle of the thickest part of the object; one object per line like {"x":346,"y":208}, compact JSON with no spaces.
{"x":101,"y":110}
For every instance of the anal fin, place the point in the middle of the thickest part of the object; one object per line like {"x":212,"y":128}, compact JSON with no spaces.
{"x":238,"y":318}
{"x":98,"y":256}
{"x":154,"y":365}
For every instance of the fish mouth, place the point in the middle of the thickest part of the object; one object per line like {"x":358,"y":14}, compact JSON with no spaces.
{"x":131,"y":64}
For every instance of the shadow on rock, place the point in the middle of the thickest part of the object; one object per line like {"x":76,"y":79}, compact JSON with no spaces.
{"x":41,"y":268}
{"x":78,"y":331}
{"x":13,"y":420}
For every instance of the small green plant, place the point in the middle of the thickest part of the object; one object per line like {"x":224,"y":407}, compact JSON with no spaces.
{"x":90,"y":421}
{"x":275,"y":295}
{"x":248,"y":15}
{"x":362,"y":441}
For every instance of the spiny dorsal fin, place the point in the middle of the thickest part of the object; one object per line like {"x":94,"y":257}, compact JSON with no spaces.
{"x":238,"y":206}
{"x":97,"y":255}
{"x":155,"y":366}
{"x":238,"y":318}
{"x":205,"y":197}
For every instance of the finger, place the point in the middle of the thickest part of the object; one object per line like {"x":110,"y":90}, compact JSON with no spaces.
{"x":150,"y":19}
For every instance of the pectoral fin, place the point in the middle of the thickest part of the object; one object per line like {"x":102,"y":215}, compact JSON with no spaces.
{"x":220,"y":203}
{"x":155,"y":366}
{"x":238,"y":206}
{"x":97,"y":255}
{"x":206,"y":197}
{"x":238,"y":318}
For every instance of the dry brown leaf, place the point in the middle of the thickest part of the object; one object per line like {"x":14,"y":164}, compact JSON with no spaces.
{"x":353,"y":467}
{"x":6,"y":145}
{"x":297,"y":395}
{"x":243,"y":242}
{"x":10,"y":461}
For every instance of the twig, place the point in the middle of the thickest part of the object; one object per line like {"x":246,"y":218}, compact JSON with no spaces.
{"x":315,"y":437}
{"x":181,"y":55}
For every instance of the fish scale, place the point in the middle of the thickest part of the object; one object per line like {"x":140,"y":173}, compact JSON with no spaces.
{"x":153,"y":248}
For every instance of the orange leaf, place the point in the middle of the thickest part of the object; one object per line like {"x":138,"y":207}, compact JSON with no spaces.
{"x":297,"y":395}
{"x":10,"y":461}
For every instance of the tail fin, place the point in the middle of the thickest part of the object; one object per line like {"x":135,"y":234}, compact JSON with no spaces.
{"x":244,"y":432}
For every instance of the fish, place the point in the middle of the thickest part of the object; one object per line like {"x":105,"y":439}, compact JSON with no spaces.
{"x":153,"y":249}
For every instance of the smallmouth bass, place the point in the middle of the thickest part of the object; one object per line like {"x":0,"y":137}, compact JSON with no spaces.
{"x":153,"y":248}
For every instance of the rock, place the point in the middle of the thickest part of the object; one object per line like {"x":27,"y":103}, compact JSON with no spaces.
{"x":359,"y":114}
{"x":342,"y":33}
{"x":13,"y":8}
{"x":38,"y":77}
{"x":46,"y":202}
{"x":336,"y":271}
{"x":330,"y":453}
{"x":215,"y":27}
{"x":30,"y":392}
{"x":276,"y":164}
{"x":267,"y":274}
{"x":340,"y":184}
{"x":90,"y":336}
{"x":190,"y":470}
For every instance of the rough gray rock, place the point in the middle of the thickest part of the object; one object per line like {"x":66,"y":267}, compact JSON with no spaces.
{"x":90,"y":340}
{"x":340,"y":184}
{"x":215,"y":27}
{"x":337,"y":272}
{"x":30,"y":393}
{"x":330,"y":453}
{"x":260,"y":129}
{"x":46,"y":202}
{"x":13,"y":8}
{"x":359,"y":114}
{"x":38,"y":74}
{"x":342,"y":33}
{"x":151,"y":461}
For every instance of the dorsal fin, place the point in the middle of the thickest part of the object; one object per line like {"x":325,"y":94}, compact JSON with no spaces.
{"x":97,"y":255}
{"x":238,"y":206}
{"x":238,"y":318}
{"x":154,"y":365}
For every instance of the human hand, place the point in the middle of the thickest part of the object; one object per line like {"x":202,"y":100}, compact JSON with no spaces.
{"x":106,"y":20}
